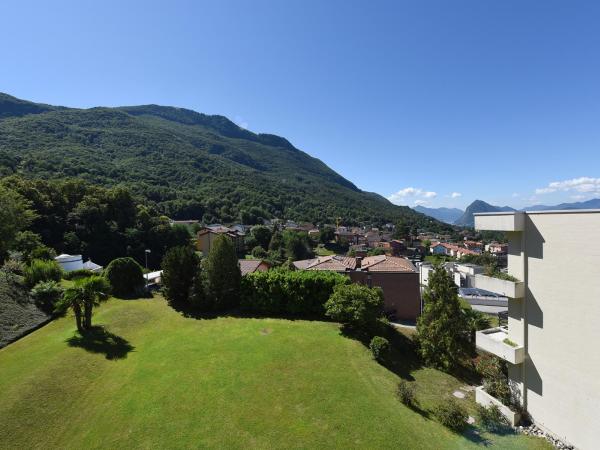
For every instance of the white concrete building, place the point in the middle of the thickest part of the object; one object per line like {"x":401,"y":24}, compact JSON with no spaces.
{"x":554,"y":313}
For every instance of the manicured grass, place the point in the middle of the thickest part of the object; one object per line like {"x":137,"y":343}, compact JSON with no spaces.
{"x":165,"y":381}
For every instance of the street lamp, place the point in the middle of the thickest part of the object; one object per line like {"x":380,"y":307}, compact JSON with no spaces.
{"x":146,"y":255}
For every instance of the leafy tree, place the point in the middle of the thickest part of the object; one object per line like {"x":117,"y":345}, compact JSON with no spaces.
{"x":376,"y":251}
{"x":180,"y":268}
{"x":355,"y":305}
{"x":442,"y":329}
{"x":259,"y":252}
{"x":222,"y":274}
{"x":326,"y":235}
{"x":15,"y":215}
{"x":262,"y":235}
{"x":126,"y":277}
{"x":82,"y":297}
{"x":297,"y":245}
{"x":30,"y":245}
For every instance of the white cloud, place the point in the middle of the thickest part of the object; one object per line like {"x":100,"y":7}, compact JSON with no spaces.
{"x":456,"y":195}
{"x":516,"y":194}
{"x":420,"y":202}
{"x":583,"y":185}
{"x":404,"y":195}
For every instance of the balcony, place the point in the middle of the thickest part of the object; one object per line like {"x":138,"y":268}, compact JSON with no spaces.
{"x":494,"y":341}
{"x":510,"y":289}
{"x":485,"y":399}
{"x":500,"y":221}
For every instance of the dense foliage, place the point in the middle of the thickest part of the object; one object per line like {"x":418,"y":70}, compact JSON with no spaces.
{"x":222,"y":275}
{"x":284,"y":292}
{"x":442,"y":329}
{"x":126,"y":277}
{"x":46,"y":295}
{"x":186,"y":164}
{"x":355,"y":305}
{"x":42,"y":270}
{"x":180,"y":268}
{"x":75,"y":217}
{"x":406,"y":394}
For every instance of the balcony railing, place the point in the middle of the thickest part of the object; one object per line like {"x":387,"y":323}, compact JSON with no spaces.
{"x":510,"y":289}
{"x":496,"y":341}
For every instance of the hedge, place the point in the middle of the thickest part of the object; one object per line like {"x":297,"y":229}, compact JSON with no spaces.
{"x":284,"y":292}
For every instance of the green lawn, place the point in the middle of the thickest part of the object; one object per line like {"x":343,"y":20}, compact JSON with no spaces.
{"x":165,"y":381}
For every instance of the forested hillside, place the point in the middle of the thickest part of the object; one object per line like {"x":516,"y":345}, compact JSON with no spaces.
{"x":185,"y":164}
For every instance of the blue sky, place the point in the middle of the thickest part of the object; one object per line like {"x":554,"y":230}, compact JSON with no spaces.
{"x":433,"y":102}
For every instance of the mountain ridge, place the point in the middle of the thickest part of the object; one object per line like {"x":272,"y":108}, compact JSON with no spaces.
{"x":185,"y":163}
{"x":479,"y":206}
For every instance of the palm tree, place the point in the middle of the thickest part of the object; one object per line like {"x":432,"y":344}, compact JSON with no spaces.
{"x":83,"y":296}
{"x":476,"y":321}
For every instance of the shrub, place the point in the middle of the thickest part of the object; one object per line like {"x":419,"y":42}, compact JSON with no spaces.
{"x":14,"y":266}
{"x":491,"y":418}
{"x":259,"y":252}
{"x":380,"y":347}
{"x":125,"y":276}
{"x":46,"y":294}
{"x":297,"y":293}
{"x":452,"y":415}
{"x":406,"y":394}
{"x":495,"y":380}
{"x":42,"y":270}
{"x":76,"y":274}
{"x":355,"y":304}
{"x":180,"y":266}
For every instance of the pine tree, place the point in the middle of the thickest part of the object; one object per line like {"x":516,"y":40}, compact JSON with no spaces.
{"x":442,"y":331}
{"x":223,"y":275}
{"x":180,"y":269}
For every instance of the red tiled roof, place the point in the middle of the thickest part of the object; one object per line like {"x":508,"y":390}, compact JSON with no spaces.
{"x":336,"y":263}
{"x":249,"y":265}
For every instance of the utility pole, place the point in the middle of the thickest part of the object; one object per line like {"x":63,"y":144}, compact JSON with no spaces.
{"x":146,"y":257}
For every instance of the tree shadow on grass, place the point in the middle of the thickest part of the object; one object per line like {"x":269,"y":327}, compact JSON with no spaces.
{"x":474,"y":435}
{"x":402,"y":358}
{"x":99,"y":340}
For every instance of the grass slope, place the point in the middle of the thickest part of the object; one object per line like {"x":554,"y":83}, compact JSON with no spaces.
{"x":18,"y":312}
{"x":175,"y":382}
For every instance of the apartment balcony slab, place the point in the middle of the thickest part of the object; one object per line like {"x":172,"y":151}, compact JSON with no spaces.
{"x":510,"y":289}
{"x":494,"y":341}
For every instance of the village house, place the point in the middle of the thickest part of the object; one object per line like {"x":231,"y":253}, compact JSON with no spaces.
{"x":253,"y":265}
{"x":397,"y":277}
{"x":207,"y":235}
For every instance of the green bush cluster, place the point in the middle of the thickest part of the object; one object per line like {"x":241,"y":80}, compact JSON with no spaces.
{"x":42,"y":270}
{"x":76,"y":274}
{"x":355,"y":305}
{"x":46,"y":295}
{"x":452,"y":415}
{"x":380,"y":348}
{"x":299,"y":293}
{"x":406,"y":394}
{"x":126,"y":277}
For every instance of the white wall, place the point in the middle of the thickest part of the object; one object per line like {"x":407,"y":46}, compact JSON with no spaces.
{"x":562,"y":315}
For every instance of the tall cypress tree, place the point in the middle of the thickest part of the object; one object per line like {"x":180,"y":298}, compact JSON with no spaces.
{"x":222,"y":274}
{"x":442,"y":331}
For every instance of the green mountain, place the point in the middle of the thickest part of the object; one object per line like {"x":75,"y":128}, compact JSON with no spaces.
{"x":186,"y":164}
